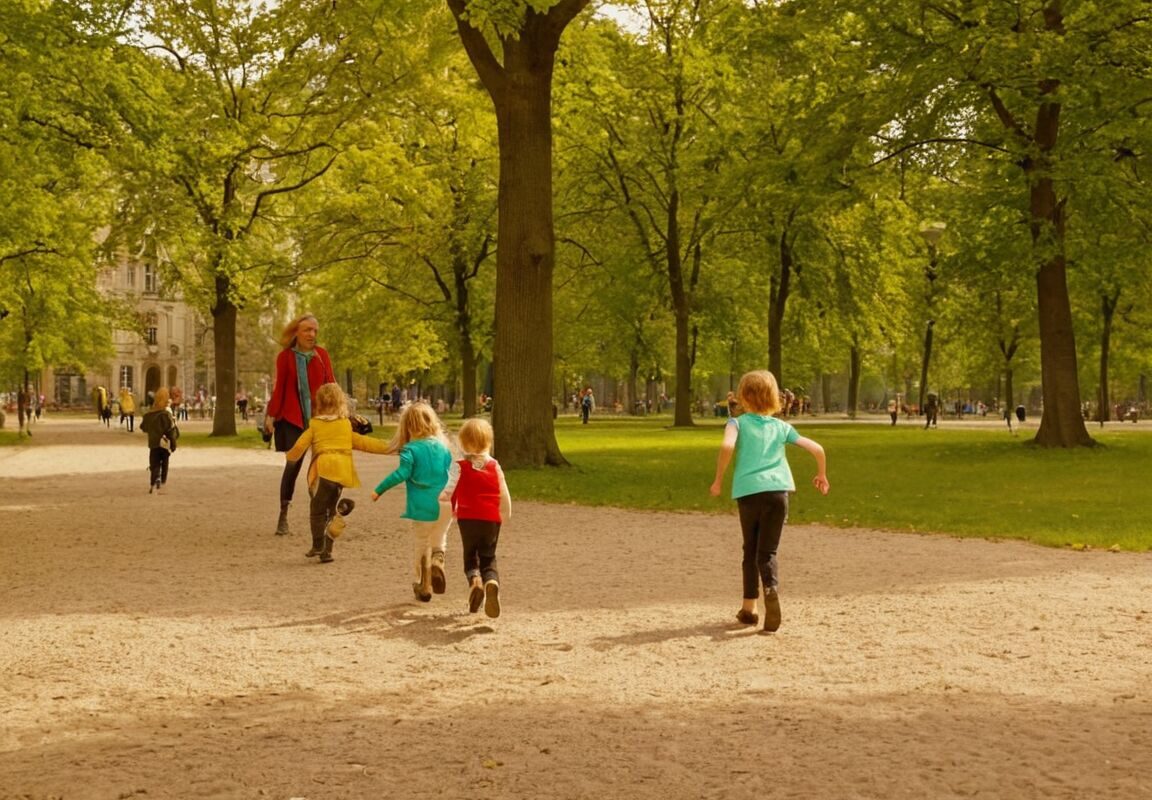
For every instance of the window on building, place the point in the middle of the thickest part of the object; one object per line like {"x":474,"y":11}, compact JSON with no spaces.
{"x":126,"y":376}
{"x":150,"y":335}
{"x":131,"y":276}
{"x":151,"y":280}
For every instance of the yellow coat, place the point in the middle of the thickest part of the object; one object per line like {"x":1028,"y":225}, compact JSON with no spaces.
{"x":127,"y":402}
{"x":332,"y":442}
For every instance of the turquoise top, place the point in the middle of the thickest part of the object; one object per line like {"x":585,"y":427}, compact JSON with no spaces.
{"x":424,"y":465}
{"x":761,"y":465}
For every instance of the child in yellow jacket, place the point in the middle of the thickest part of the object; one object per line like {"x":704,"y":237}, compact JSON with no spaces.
{"x":331,"y":440}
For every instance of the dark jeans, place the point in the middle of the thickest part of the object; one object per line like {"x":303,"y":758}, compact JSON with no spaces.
{"x":480,"y":537}
{"x":762,"y":517}
{"x":323,"y":506}
{"x":158,"y":465}
{"x":286,"y":435}
{"x":584,"y":412}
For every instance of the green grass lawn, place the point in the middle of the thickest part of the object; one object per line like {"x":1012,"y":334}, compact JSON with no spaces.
{"x":961,"y":481}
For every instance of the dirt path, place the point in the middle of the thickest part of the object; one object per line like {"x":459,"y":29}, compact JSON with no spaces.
{"x":171,"y":647}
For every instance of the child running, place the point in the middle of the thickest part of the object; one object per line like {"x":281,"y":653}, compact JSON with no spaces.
{"x":480,"y":502}
{"x":159,"y":425}
{"x":331,"y":440}
{"x":424,"y":463}
{"x":761,"y":482}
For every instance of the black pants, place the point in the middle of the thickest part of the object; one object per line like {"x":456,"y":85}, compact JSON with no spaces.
{"x":323,"y":506}
{"x":480,"y":538}
{"x":286,"y":435}
{"x":762,"y":517}
{"x":158,"y":465}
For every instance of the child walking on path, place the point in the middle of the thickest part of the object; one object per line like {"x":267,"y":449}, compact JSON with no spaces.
{"x":159,"y":425}
{"x":331,"y":440}
{"x":424,"y":463}
{"x":761,"y":482}
{"x":480,"y":502}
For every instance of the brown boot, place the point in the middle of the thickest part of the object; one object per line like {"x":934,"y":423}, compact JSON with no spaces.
{"x":475,"y":595}
{"x":771,"y":609}
{"x":439,"y":579}
{"x":282,"y":523}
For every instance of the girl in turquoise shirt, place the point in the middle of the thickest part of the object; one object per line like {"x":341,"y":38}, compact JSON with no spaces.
{"x":424,"y":463}
{"x":761,"y":482}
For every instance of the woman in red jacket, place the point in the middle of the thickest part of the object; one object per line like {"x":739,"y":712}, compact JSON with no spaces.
{"x":302,"y":367}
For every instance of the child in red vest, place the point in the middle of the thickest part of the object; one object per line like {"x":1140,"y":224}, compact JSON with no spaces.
{"x":480,"y":503}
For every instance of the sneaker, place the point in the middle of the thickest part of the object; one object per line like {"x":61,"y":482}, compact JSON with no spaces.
{"x":419,"y":593}
{"x":335,"y":527}
{"x":315,"y":551}
{"x":747,"y":617}
{"x":492,"y":599}
{"x":771,"y":609}
{"x":475,"y":597}
{"x":326,"y":558}
{"x":439,"y":579}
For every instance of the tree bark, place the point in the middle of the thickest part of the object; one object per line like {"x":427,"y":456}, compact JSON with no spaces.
{"x":1108,"y":310}
{"x":682,"y":312}
{"x":224,"y":347}
{"x":521,"y":92}
{"x":853,"y":379}
{"x":778,"y":293}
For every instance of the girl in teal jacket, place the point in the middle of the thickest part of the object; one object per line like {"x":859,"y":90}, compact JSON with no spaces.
{"x":424,"y":463}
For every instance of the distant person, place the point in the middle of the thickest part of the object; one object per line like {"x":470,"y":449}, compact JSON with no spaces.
{"x":761,"y":481}
{"x":1008,"y":419}
{"x":302,"y":367}
{"x":127,"y":408}
{"x":931,"y":411}
{"x":480,"y":504}
{"x":331,"y":441}
{"x":1021,"y":413}
{"x":424,"y":463}
{"x":163,"y":435}
{"x":397,"y":399}
{"x":893,"y":410}
{"x":242,"y":404}
{"x":587,"y":403}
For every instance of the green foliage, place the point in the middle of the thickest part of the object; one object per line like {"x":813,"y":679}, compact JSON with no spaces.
{"x":980,"y":483}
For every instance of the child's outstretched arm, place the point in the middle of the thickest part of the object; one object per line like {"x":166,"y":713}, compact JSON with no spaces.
{"x":727,"y":447}
{"x":821,"y":479}
{"x":397,"y":476}
{"x":301,"y":447}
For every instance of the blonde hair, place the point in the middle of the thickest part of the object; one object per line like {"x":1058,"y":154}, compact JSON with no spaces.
{"x":758,"y":392}
{"x":288,"y":335}
{"x":417,"y":421}
{"x":331,"y":400}
{"x":475,"y":436}
{"x":160,"y":399}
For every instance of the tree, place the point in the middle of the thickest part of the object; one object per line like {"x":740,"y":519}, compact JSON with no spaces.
{"x":520,"y":86}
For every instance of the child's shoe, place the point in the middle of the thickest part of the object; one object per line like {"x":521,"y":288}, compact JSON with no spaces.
{"x":419,"y":593}
{"x":317,"y":547}
{"x":771,"y":609}
{"x":475,"y":596}
{"x":326,"y":553}
{"x":439,"y":579}
{"x":492,"y":599}
{"x":745,"y":617}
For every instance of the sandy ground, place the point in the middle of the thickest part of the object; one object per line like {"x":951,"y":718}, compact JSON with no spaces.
{"x":172,"y":647}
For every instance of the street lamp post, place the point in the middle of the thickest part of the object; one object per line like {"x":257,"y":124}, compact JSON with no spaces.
{"x":931,"y":232}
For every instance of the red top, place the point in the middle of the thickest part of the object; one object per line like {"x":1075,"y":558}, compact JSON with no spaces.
{"x":285,"y":402}
{"x":477,"y":494}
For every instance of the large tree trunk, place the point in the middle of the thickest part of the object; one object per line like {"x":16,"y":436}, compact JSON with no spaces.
{"x":1108,"y":310}
{"x":224,"y":347}
{"x":467,"y":348}
{"x":778,"y":292}
{"x":521,"y":92}
{"x":853,"y":379}
{"x":682,"y":312}
{"x":925,"y":360}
